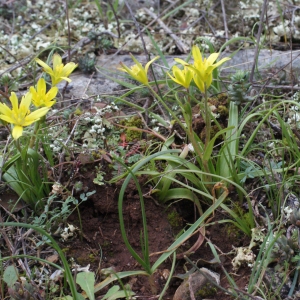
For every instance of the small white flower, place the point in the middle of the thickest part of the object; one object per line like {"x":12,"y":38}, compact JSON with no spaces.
{"x":191,"y":148}
{"x":83,"y":269}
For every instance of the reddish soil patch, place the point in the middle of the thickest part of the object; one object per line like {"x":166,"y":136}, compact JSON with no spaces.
{"x":102,"y":245}
{"x":101,"y":230}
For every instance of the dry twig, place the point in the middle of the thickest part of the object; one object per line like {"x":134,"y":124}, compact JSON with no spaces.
{"x":181,"y":46}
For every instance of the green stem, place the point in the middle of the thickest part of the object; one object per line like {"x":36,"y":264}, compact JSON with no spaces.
{"x":37,"y":126}
{"x":35,"y":131}
{"x":207,"y":119}
{"x":17,"y":144}
{"x":207,"y":136}
{"x":165,"y":106}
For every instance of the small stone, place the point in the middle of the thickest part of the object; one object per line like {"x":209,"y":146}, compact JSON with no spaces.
{"x":195,"y":282}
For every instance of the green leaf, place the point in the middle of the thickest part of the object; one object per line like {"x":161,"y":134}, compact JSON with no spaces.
{"x":111,"y":292}
{"x":210,"y":146}
{"x":10,"y":276}
{"x":115,"y":293}
{"x":112,"y":277}
{"x":86,"y":280}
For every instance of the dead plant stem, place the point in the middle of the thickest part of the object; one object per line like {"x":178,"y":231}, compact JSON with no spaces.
{"x":260,"y":28}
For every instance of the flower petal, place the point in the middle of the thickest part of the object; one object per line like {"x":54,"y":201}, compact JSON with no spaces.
{"x":57,"y":61}
{"x":5,"y":110}
{"x":17,"y":131}
{"x":179,"y":74}
{"x":220,"y":62}
{"x":136,"y":61}
{"x":25,"y":102}
{"x":68,"y":69}
{"x":7,"y":119}
{"x":64,"y":78}
{"x":52,"y":93}
{"x":14,"y":101}
{"x":196,"y":53}
{"x":36,"y":115}
{"x":149,"y":63}
{"x":41,"y":86}
{"x":181,"y":61}
{"x":199,"y":82}
{"x":212,"y":58}
{"x":47,"y":69}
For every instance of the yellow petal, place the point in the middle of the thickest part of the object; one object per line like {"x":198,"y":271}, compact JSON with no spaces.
{"x":174,"y":79}
{"x":4,"y":109}
{"x":64,"y":78}
{"x":212,"y":58}
{"x":36,"y":115}
{"x":33,"y":92}
{"x":181,"y":61}
{"x":149,"y":63}
{"x":68,"y":69}
{"x":25,"y":102}
{"x":47,"y":69}
{"x":199,"y":83}
{"x":52,"y":93}
{"x":136,"y":62}
{"x":14,"y":101}
{"x":7,"y":118}
{"x":17,"y":131}
{"x":208,"y":80}
{"x":179,"y":74}
{"x":189,"y":75}
{"x":196,"y":53}
{"x":41,"y":86}
{"x":57,"y":61}
{"x":220,"y":62}
{"x":124,"y":68}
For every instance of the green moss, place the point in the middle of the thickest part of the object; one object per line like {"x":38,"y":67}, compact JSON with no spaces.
{"x":207,"y":291}
{"x":105,"y":244}
{"x":232,"y":232}
{"x":174,"y":219}
{"x":131,"y":124}
{"x":92,"y":257}
{"x":222,"y":110}
{"x":220,"y":99}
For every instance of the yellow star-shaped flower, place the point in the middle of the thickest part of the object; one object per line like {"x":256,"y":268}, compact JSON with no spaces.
{"x":20,"y":115}
{"x":182,"y":77}
{"x":203,"y":68}
{"x":39,"y":96}
{"x":60,"y":71}
{"x":137,"y":71}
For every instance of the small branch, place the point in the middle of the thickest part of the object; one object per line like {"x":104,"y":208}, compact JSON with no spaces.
{"x":263,"y":11}
{"x":224,"y":20}
{"x":116,"y":17}
{"x":181,"y":46}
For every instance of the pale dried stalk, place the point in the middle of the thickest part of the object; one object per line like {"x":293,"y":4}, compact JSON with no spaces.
{"x":181,"y":46}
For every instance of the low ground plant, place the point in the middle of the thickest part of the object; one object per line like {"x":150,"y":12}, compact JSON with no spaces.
{"x":243,"y":163}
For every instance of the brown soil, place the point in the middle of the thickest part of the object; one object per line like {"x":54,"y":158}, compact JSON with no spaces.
{"x":102,"y":245}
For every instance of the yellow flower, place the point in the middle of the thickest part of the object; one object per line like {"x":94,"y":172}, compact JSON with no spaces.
{"x":137,"y":71}
{"x":20,"y":116}
{"x":182,"y":77}
{"x":59,"y":71}
{"x":39,"y":95}
{"x":204,"y":67}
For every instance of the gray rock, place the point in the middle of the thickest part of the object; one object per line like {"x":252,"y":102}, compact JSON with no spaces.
{"x":197,"y":283}
{"x":100,"y":84}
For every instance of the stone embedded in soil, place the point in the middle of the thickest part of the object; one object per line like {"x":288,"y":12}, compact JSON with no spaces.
{"x":195,"y":282}
{"x":269,"y":62}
